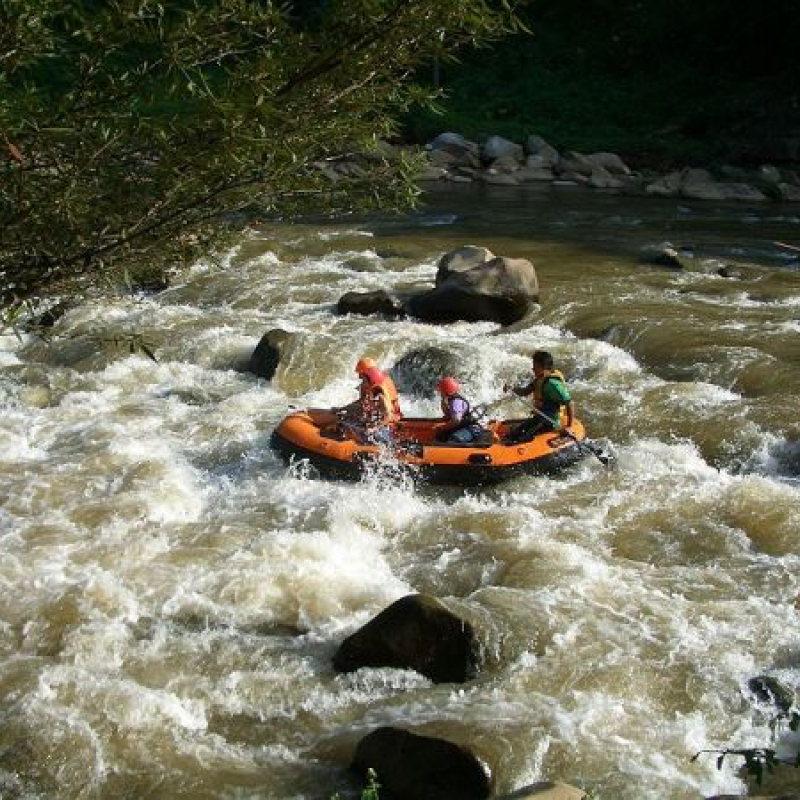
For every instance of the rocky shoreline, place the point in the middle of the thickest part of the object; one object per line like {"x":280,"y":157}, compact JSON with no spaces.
{"x":497,"y":161}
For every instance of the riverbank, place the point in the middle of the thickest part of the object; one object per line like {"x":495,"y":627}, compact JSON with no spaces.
{"x":498,"y":161}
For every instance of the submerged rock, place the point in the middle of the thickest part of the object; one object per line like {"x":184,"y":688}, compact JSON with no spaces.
{"x":267,"y":355}
{"x":416,"y":632}
{"x":666,"y":256}
{"x":414,"y":767}
{"x":546,"y":790}
{"x":767,"y":689}
{"x":418,"y":371}
{"x":368,"y":303}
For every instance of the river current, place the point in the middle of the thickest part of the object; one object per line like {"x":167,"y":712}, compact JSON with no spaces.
{"x":172,"y":594}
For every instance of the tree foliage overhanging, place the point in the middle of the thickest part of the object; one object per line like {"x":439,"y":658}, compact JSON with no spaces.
{"x":130,"y":128}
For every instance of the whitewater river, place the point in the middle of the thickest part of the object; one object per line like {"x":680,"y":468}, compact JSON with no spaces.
{"x":171,"y":595}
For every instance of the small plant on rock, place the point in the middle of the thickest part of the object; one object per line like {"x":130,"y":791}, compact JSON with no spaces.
{"x":760,"y":761}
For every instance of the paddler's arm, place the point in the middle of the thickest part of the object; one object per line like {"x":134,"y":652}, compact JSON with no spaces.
{"x":520,"y":391}
{"x":384,"y":412}
{"x":570,"y":414}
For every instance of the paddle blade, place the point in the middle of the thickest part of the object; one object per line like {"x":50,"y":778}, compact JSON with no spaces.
{"x":605,"y":456}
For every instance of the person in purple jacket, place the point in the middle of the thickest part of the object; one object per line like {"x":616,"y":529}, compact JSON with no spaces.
{"x":461,"y":425}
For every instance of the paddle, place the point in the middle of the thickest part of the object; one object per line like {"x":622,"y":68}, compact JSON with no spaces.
{"x":606,"y":459}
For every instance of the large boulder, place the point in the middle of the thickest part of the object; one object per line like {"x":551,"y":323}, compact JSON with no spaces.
{"x":452,"y":149}
{"x":267,"y":355}
{"x":414,"y":767}
{"x":416,"y":632}
{"x":499,"y":290}
{"x":418,"y":371}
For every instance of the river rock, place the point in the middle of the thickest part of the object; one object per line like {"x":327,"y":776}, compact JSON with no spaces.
{"x":495,"y":178}
{"x":416,"y":632}
{"x":666,"y":186}
{"x":500,"y":290}
{"x":788,"y":191}
{"x":743,"y":192}
{"x":414,"y":767}
{"x":83,"y":354}
{"x":574,"y":163}
{"x":700,"y":184}
{"x":497,"y":147}
{"x":462,"y":259}
{"x":452,"y":149}
{"x":601,"y":178}
{"x":767,"y":689}
{"x":729,"y":271}
{"x":506,"y":164}
{"x":610,"y":162}
{"x":546,"y":790}
{"x":664,"y":256}
{"x":537,"y":146}
{"x":418,"y":371}
{"x":433,"y":174}
{"x":267,"y":355}
{"x":769,"y":175}
{"x":367,"y":303}
{"x":532,"y":174}
{"x":442,"y":158}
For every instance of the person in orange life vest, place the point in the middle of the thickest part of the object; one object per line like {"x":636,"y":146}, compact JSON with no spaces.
{"x":353,"y":410}
{"x":550,"y":397}
{"x":379,"y":411}
{"x":461,"y":425}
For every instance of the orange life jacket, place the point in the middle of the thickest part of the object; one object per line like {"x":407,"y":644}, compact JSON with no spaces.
{"x":391,"y":391}
{"x":379,"y":401}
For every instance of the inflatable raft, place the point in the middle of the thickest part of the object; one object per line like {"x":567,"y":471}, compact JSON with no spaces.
{"x":340,"y":450}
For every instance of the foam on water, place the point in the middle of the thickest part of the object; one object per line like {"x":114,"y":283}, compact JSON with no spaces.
{"x":173,"y":594}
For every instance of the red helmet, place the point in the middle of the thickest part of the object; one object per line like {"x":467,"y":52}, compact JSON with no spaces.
{"x":448,"y":386}
{"x":364,"y":364}
{"x":374,"y":376}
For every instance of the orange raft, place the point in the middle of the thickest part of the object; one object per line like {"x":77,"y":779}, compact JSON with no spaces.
{"x":339,"y":450}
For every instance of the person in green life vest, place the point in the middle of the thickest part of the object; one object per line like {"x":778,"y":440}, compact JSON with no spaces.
{"x":549,"y":397}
